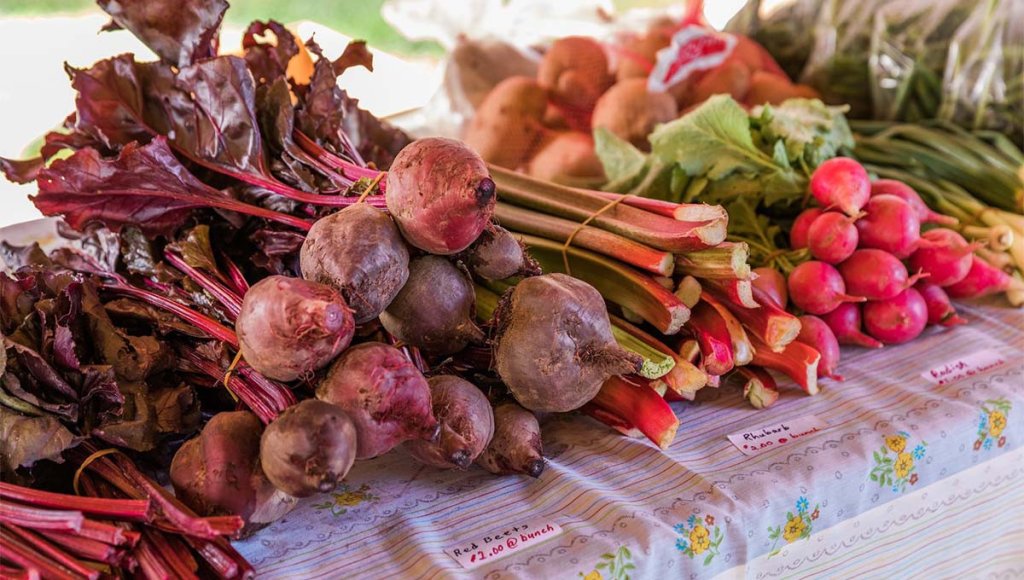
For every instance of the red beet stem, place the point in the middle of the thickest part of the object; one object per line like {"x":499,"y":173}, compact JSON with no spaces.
{"x":116,"y":509}
{"x":231,"y":301}
{"x":238,"y":281}
{"x":200,"y":321}
{"x":345,"y":168}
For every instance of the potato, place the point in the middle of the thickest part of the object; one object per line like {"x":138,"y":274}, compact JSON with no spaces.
{"x":630,"y":111}
{"x":507,"y":126}
{"x":567,"y":157}
{"x":575,"y":70}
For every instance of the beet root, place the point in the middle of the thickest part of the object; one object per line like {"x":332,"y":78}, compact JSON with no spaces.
{"x":467,"y":424}
{"x":359,"y":251}
{"x":497,"y":255}
{"x":309,"y":448}
{"x":289,"y":327}
{"x":219,"y":473}
{"x":516,"y":446}
{"x":554,"y":343}
{"x":434,"y":311}
{"x":383,"y":393}
{"x":441,"y":194}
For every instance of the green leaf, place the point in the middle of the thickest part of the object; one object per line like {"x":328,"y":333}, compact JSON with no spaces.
{"x":712,"y":140}
{"x":707,"y":560}
{"x":621,"y":160}
{"x":808,"y":128}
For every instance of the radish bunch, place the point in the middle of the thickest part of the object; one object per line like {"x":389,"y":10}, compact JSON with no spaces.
{"x":875,"y":278}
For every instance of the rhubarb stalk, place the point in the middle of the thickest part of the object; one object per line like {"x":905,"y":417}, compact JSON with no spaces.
{"x":638,"y":405}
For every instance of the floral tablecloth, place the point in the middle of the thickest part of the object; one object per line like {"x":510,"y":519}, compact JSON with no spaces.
{"x":907,"y":477}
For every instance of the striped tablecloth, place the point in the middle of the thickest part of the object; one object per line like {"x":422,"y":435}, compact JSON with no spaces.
{"x":906,"y":475}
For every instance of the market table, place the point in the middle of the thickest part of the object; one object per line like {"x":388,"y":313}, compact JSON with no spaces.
{"x":906,"y":477}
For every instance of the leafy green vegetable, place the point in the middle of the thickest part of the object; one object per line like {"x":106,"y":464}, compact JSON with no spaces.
{"x":756,"y":165}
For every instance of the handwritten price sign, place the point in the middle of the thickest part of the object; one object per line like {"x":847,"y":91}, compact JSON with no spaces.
{"x":501,"y":542}
{"x":964,"y":367}
{"x":761,"y":439}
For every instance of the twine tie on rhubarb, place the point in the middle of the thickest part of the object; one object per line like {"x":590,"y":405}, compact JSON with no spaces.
{"x":372,"y":186}
{"x":86,"y":462}
{"x":583,"y":224}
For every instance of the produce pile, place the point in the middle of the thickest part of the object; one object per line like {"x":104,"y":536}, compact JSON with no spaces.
{"x":246,"y":303}
{"x":543,"y":125}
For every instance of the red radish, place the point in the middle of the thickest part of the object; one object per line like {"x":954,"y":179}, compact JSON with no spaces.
{"x":947,"y":261}
{"x":890,"y":224}
{"x":896,"y":320}
{"x":876,"y":274}
{"x":842,"y":183}
{"x":772,"y":283}
{"x":832,"y":237}
{"x":907,"y":194}
{"x":798,"y":234}
{"x":815,"y":333}
{"x":817,"y":288}
{"x":440,"y":194}
{"x":845,"y":324}
{"x":983,"y":279}
{"x":940,"y":311}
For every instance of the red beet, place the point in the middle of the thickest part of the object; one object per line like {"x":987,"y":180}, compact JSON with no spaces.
{"x":982,"y":279}
{"x":441,"y":194}
{"x":907,"y":194}
{"x":946,"y":261}
{"x":876,"y":274}
{"x":896,"y":320}
{"x":359,"y":251}
{"x":516,"y":446}
{"x":845,"y":322}
{"x":289,"y":327}
{"x":841,"y":183}
{"x":467,"y":424}
{"x":497,"y":255}
{"x":832,"y":237}
{"x":940,"y":310}
{"x":387,"y":399}
{"x":309,"y":448}
{"x":817,"y":288}
{"x":435,"y":309}
{"x":218,"y":473}
{"x":890,"y":224}
{"x":554,"y":345}
{"x":814,"y":332}
{"x":799,"y":232}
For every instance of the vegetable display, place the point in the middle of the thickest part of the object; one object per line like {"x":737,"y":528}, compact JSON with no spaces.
{"x":259,"y":285}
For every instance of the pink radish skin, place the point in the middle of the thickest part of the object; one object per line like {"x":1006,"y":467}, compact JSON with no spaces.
{"x":772,"y":283}
{"x":816,"y":334}
{"x":890,"y":224}
{"x":817,"y":288}
{"x":841,"y":183}
{"x":832,"y":237}
{"x":940,"y":310}
{"x":947,"y":261}
{"x":876,"y":275}
{"x":983,"y":279}
{"x":798,"y":234}
{"x":845,"y":322}
{"x":907,"y":194}
{"x":896,"y":320}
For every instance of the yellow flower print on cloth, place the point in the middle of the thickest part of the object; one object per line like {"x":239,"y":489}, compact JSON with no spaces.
{"x":991,"y":424}
{"x":798,"y":525}
{"x":344,"y":498}
{"x":699,"y":538}
{"x":895,"y":462}
{"x":615,"y":566}
{"x":896,"y":443}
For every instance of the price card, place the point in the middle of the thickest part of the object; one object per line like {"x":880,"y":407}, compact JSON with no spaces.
{"x":761,"y":439}
{"x":502,"y":541}
{"x":964,"y":367}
